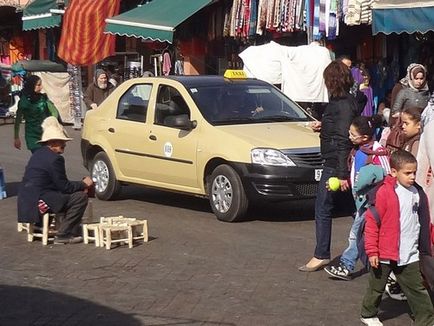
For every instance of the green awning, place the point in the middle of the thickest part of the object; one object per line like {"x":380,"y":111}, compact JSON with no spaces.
{"x":155,"y":20}
{"x":38,"y":14}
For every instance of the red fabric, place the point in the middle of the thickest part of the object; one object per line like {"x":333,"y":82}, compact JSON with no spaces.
{"x":42,"y":206}
{"x":83,"y":41}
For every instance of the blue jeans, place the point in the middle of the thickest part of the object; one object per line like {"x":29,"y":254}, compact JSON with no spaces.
{"x":323,"y":215}
{"x":350,"y":255}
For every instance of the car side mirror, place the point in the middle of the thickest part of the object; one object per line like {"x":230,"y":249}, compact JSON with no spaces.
{"x":181,"y":121}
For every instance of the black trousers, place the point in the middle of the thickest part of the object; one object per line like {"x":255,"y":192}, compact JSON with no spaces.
{"x":69,"y":218}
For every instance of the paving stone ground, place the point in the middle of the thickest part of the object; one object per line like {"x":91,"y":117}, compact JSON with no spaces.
{"x":194,"y":271}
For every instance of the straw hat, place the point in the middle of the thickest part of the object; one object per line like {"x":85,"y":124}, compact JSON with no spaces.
{"x":53,"y":130}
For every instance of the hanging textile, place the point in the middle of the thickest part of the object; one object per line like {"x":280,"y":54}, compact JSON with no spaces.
{"x":299,"y":69}
{"x":359,"y":12}
{"x":83,"y":41}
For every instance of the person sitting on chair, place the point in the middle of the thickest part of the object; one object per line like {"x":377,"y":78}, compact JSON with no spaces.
{"x":45,"y":179}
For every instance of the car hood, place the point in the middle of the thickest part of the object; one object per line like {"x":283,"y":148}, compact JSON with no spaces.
{"x":279,"y":135}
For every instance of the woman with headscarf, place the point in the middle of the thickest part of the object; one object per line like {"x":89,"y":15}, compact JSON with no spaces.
{"x":98,"y":91}
{"x":33,"y":107}
{"x":416,"y":94}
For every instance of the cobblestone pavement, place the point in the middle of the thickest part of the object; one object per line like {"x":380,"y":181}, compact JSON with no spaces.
{"x":194,"y":271}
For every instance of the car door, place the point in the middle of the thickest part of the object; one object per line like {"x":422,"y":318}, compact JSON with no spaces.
{"x":174,"y":150}
{"x":128,"y":133}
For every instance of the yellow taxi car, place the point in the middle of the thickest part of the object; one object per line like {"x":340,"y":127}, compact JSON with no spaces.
{"x":232,"y":140}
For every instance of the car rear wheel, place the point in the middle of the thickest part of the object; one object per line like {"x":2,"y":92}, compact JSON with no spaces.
{"x":226,"y":194}
{"x":104,"y":178}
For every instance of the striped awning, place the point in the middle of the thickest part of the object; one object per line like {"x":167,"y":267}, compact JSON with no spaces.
{"x":41,"y":14}
{"x":402,"y":16}
{"x":155,"y":20}
{"x":83,"y":41}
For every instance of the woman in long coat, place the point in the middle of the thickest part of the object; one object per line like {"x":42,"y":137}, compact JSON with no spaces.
{"x":33,"y":107}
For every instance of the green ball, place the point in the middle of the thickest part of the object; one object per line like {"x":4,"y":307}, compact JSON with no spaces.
{"x":334,"y":184}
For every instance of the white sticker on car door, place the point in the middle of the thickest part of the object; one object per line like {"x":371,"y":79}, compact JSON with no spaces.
{"x":168,"y":149}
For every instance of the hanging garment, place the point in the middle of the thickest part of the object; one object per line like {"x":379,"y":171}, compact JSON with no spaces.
{"x":179,"y":67}
{"x":353,"y":13}
{"x":253,"y":17}
{"x":263,"y":62}
{"x":299,"y":69}
{"x":302,"y":73}
{"x":262,"y":17}
{"x":167,"y":63}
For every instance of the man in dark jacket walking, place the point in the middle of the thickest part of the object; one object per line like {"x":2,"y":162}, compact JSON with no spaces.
{"x":45,"y":178}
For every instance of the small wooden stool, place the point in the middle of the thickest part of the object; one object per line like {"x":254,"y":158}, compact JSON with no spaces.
{"x":139,"y":229}
{"x":122,"y":233}
{"x":95,"y":228}
{"x":46,"y":232}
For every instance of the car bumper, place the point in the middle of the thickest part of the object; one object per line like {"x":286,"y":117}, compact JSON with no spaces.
{"x":272,"y":183}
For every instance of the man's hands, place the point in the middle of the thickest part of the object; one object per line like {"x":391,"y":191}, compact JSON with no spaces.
{"x":17,"y":143}
{"x":94,"y":106}
{"x":374,"y":261}
{"x":88,"y":182}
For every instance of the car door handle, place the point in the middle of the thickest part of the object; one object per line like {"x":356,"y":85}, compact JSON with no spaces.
{"x":153,"y":137}
{"x":111,"y":130}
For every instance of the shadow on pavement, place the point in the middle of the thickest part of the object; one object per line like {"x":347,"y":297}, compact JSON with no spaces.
{"x":285,"y":211}
{"x":391,"y":309}
{"x":34,"y":306}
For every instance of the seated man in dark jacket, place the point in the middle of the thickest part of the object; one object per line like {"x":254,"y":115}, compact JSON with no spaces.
{"x":45,"y":178}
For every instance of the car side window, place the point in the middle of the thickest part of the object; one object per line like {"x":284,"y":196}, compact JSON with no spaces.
{"x":170,"y":106}
{"x":133,"y":105}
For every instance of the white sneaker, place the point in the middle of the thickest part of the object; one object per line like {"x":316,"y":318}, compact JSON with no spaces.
{"x":393,"y":289}
{"x":374,"y":321}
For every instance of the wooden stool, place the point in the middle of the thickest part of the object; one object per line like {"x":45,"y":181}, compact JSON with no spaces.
{"x":95,"y":228}
{"x":45,"y":232}
{"x":122,"y":233}
{"x":139,"y":229}
{"x":113,"y":220}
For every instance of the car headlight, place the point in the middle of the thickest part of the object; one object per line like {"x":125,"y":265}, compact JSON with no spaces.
{"x":267,"y":156}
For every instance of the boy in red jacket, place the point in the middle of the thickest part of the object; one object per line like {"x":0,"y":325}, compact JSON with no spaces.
{"x":395,"y":243}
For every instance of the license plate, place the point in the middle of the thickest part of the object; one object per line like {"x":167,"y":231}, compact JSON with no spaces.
{"x":318,"y":174}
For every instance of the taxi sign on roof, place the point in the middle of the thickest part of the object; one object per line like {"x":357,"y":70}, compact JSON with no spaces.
{"x":235,"y":74}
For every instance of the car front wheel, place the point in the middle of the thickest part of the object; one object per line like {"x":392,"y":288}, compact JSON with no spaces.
{"x":226,"y":194}
{"x":104,"y":178}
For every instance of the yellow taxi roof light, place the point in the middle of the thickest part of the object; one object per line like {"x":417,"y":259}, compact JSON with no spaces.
{"x":235,"y":74}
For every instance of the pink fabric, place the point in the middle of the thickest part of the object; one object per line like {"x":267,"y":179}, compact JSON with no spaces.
{"x":167,"y":64}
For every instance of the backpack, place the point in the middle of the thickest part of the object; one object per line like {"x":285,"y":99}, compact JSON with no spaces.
{"x":370,"y":196}
{"x":396,"y":137}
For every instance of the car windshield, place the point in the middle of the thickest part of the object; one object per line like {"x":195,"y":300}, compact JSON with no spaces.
{"x":241,"y":103}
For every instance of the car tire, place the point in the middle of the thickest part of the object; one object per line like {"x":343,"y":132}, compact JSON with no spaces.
{"x":227,"y":197}
{"x":106,"y":185}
